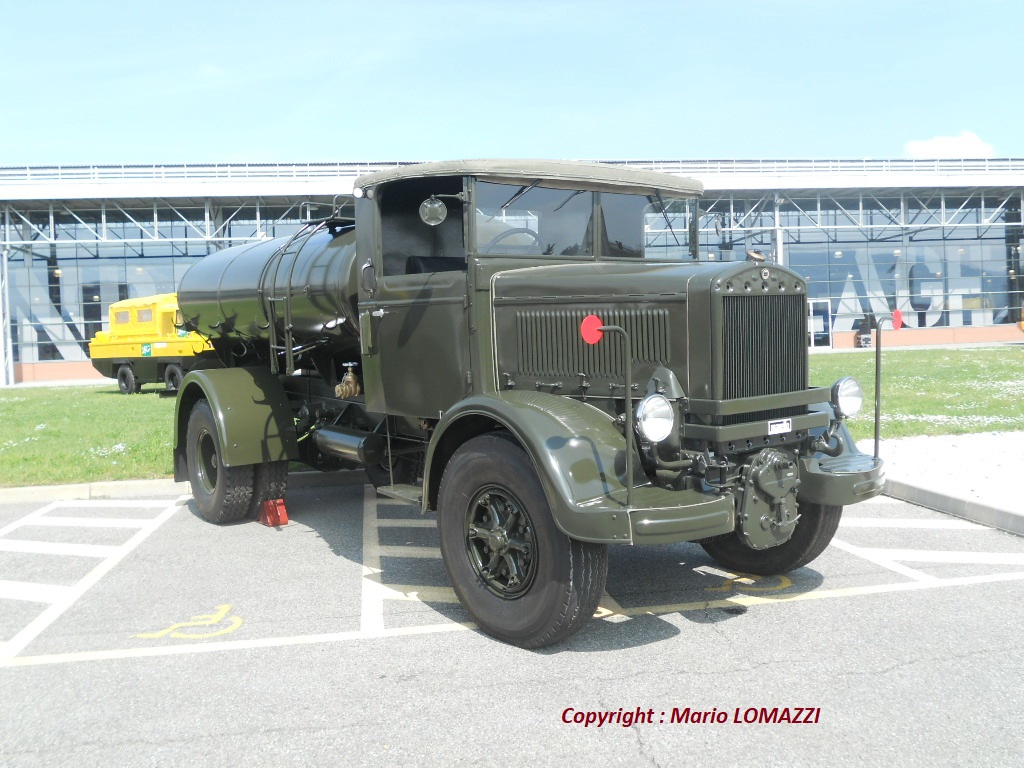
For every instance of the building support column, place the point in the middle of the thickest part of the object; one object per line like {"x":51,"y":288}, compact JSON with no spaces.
{"x":6,"y":318}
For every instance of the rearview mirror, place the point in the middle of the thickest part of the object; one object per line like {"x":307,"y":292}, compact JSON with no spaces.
{"x":433,"y":211}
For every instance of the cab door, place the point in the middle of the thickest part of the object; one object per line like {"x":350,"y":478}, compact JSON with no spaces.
{"x":414,"y":326}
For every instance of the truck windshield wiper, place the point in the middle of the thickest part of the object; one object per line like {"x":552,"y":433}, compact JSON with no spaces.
{"x":664,"y":213}
{"x":565,"y":202}
{"x":522,"y":191}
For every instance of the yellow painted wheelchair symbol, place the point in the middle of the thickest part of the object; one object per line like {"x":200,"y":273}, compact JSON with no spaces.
{"x":203,"y":621}
{"x":746,"y":583}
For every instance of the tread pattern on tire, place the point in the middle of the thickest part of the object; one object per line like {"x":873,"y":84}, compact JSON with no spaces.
{"x":586,"y":564}
{"x":237,"y":495}
{"x":231,"y":499}
{"x":270,"y":482}
{"x":127,"y":381}
{"x":172,"y":378}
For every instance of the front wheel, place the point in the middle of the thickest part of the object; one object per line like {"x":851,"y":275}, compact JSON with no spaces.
{"x":521,"y":579}
{"x":222,"y":494}
{"x":814,"y":530}
{"x":173,"y":377}
{"x":127,"y":381}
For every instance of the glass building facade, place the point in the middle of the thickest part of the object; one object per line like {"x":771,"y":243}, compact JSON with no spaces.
{"x":935,"y":240}
{"x":942,"y":258}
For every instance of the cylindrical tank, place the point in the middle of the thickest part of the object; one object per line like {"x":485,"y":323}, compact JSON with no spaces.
{"x":235,"y":294}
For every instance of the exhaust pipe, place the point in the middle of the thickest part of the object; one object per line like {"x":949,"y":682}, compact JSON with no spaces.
{"x":364,"y":448}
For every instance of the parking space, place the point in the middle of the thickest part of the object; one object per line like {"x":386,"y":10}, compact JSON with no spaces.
{"x":112,"y":579}
{"x":52,"y":557}
{"x":336,"y":638}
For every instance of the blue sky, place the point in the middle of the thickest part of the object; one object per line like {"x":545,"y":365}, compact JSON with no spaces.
{"x":316,"y":81}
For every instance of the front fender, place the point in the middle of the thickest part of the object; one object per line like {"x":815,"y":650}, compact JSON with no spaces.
{"x":578,"y":451}
{"x":254,"y":421}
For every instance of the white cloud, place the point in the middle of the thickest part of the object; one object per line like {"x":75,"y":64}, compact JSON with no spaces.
{"x":967,"y":144}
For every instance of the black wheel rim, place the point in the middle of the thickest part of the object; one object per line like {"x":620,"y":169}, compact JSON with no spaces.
{"x":501,"y":542}
{"x":208,"y":462}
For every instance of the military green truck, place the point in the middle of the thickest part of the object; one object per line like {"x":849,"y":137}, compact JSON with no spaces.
{"x":537,"y":353}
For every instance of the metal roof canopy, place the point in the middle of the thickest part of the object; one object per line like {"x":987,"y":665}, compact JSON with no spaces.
{"x":563,"y":173}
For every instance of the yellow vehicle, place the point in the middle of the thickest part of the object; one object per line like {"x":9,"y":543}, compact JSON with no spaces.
{"x":146,"y":344}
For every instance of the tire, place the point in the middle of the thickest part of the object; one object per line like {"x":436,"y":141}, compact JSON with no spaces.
{"x":222,"y":494}
{"x":521,"y":579}
{"x":127,"y":382}
{"x":814,"y":530}
{"x":173,"y":377}
{"x":270,"y":482}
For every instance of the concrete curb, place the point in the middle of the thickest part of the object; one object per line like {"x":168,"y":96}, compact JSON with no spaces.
{"x":967,"y":509}
{"x":113,"y":489}
{"x":161,"y":487}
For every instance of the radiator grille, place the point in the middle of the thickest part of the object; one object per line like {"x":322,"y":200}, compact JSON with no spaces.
{"x":550,"y":342}
{"x":764,"y":346}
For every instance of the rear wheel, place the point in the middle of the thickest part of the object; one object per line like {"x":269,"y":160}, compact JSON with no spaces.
{"x":127,"y":382}
{"x":222,"y":494}
{"x":814,"y":530}
{"x":270,"y":482}
{"x":521,"y":579}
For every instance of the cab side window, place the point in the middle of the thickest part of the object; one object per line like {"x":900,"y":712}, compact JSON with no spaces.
{"x":410,"y":246}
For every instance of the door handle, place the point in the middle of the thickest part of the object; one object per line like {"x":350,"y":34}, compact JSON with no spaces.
{"x":379,"y":312}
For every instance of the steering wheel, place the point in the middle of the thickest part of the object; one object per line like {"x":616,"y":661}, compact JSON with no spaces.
{"x":514,"y":231}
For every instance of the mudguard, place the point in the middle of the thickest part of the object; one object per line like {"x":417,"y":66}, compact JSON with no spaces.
{"x":580,"y":457}
{"x":254,"y":421}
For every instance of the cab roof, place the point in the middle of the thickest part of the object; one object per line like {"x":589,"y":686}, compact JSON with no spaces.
{"x":161,"y":300}
{"x":561,"y":173}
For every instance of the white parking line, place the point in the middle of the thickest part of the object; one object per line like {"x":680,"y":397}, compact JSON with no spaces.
{"x":394,"y":550}
{"x":391,"y":522}
{"x":943,"y":556}
{"x":886,"y":562}
{"x":90,"y":522}
{"x":372,"y":609}
{"x":364,"y":635}
{"x":892,"y":522}
{"x":53,"y":548}
{"x":60,"y":599}
{"x":32,"y":592}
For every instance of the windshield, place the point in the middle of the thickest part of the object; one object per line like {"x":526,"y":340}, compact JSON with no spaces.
{"x":533,"y":220}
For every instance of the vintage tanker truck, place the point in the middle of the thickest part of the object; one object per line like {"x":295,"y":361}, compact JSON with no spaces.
{"x":535,"y":352}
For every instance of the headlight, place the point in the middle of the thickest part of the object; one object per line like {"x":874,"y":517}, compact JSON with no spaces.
{"x":655,"y":418}
{"x":847,"y":397}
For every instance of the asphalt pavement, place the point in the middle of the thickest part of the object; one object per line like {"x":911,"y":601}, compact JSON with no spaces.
{"x":969,"y":476}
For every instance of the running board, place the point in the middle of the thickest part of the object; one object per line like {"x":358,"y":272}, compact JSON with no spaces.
{"x":413,"y":494}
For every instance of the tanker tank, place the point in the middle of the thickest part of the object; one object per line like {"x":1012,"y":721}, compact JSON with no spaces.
{"x":237,"y":295}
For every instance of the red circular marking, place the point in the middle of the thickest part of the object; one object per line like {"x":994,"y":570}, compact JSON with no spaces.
{"x":590,"y":329}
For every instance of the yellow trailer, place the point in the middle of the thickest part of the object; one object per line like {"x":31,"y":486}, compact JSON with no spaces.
{"x":146,"y":344}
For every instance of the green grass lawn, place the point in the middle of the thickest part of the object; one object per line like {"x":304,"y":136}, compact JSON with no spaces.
{"x":934,"y":391}
{"x":51,"y":435}
{"x":54,"y":435}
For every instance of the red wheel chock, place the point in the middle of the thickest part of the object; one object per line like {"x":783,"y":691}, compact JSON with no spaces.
{"x":273,"y":513}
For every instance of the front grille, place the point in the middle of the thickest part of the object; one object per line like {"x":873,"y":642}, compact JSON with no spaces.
{"x":764,"y":349}
{"x":550,"y":342}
